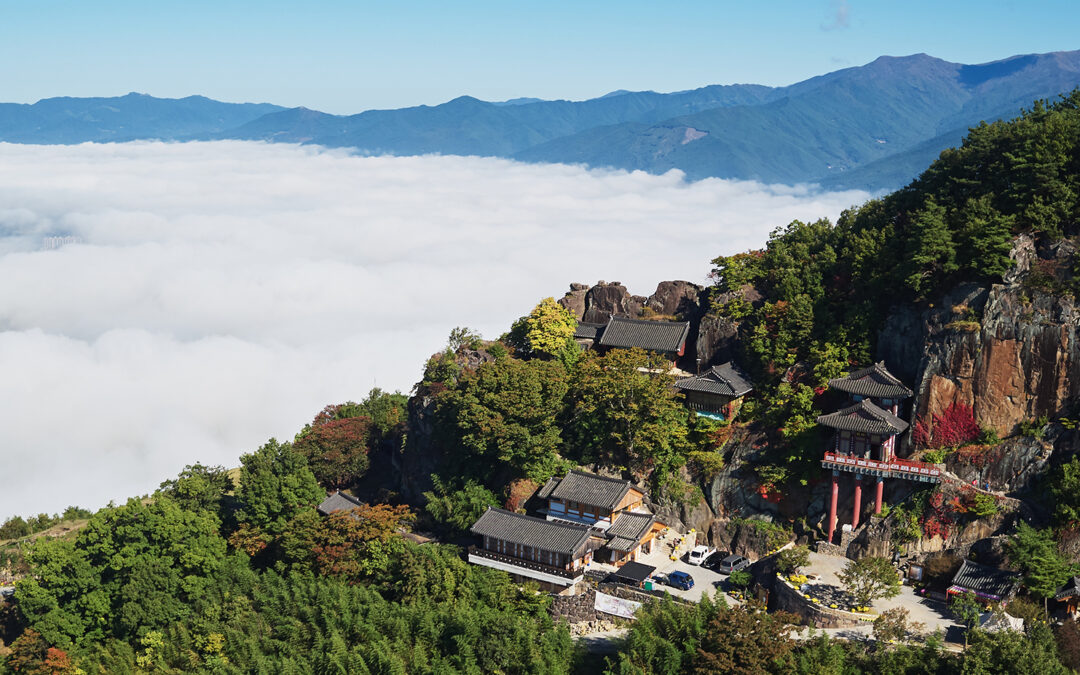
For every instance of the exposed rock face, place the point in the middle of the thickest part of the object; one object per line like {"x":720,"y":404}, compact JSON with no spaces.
{"x":675,"y":298}
{"x":414,"y":463}
{"x":1010,"y":352}
{"x":605,"y":299}
{"x":1015,"y":465}
{"x":596,"y":303}
{"x":574,"y":300}
{"x":716,"y":340}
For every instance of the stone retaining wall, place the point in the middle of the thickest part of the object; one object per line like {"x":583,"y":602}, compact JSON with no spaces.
{"x":788,"y":599}
{"x":825,"y":548}
{"x":575,"y":608}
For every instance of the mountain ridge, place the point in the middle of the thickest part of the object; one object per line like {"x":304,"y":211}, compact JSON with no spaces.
{"x":840,"y":130}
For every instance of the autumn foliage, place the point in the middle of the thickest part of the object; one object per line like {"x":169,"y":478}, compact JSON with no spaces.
{"x":954,"y":427}
{"x":30,"y":654}
{"x":347,"y":544}
{"x":336,"y":448}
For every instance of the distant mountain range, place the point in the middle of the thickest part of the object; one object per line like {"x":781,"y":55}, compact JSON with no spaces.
{"x":873,"y":127}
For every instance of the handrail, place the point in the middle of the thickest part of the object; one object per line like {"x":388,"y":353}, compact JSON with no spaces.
{"x":527,"y":564}
{"x":902,"y":466}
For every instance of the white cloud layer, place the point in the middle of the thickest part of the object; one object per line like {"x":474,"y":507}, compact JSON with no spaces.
{"x":219,"y":294}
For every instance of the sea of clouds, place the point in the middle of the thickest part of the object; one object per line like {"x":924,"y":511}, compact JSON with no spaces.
{"x":162,"y":304}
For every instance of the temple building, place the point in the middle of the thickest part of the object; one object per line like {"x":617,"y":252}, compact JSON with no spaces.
{"x":989,"y":584}
{"x":554,"y":554}
{"x":586,"y":518}
{"x":717,"y":393}
{"x":663,"y":337}
{"x":865,"y":439}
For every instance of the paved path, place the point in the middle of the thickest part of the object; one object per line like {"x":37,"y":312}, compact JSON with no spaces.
{"x":604,"y":642}
{"x":932,"y":613}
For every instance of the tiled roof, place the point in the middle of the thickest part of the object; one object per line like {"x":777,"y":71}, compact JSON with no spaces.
{"x":628,"y":529}
{"x":1070,"y":589}
{"x":339,"y":501}
{"x":864,"y":417}
{"x":545,"y":491}
{"x":724,"y":380}
{"x":588,"y":331}
{"x":989,"y":581}
{"x":528,"y":531}
{"x":591,"y":489}
{"x":874,"y":381}
{"x":655,"y":336}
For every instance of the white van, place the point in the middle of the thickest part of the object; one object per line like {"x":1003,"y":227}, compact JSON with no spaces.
{"x":699,"y":554}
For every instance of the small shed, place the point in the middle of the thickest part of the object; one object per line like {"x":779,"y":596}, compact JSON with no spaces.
{"x":987,"y":583}
{"x":633,"y":573}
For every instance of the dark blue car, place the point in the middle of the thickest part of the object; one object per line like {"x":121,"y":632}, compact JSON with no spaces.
{"x":680,"y":580}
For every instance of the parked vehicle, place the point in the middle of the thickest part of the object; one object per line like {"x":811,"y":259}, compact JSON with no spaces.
{"x":700,"y":554}
{"x":713,"y":561}
{"x":680,"y":580}
{"x":732,"y":563}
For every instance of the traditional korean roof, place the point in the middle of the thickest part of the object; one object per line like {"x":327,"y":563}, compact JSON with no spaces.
{"x":985,"y":581}
{"x":528,"y":531}
{"x":864,"y":417}
{"x":655,"y":336}
{"x":339,"y":501}
{"x":588,"y":331}
{"x":723,"y":380}
{"x":628,"y":529}
{"x":1069,"y":590}
{"x":588,"y":488}
{"x":545,"y":491}
{"x":874,"y":381}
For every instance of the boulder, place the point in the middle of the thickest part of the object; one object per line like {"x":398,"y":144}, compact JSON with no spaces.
{"x":675,"y":298}
{"x":574,"y":300}
{"x":605,"y":299}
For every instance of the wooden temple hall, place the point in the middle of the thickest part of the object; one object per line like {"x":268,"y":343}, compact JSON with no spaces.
{"x":865,"y":441}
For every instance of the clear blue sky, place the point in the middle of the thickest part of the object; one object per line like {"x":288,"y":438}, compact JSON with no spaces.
{"x":347,"y":56}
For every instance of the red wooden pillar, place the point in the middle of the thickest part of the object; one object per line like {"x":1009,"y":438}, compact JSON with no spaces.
{"x":858,"y":501}
{"x":832,"y":505}
{"x":879,"y":494}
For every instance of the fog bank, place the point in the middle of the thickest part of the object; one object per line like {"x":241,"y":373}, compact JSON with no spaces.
{"x":171,"y":303}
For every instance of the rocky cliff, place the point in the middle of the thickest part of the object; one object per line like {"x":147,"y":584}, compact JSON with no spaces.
{"x":1010,"y":350}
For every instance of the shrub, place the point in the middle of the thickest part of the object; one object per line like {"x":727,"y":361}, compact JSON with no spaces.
{"x":707,"y":463}
{"x":984,"y":506}
{"x":1034,"y":428}
{"x":954,"y":427}
{"x":740,"y":578}
{"x":790,"y":560}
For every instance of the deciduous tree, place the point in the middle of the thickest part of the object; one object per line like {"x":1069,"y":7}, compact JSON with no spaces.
{"x":624,"y":412}
{"x":870,"y":578}
{"x":275,"y":485}
{"x":745,"y":640}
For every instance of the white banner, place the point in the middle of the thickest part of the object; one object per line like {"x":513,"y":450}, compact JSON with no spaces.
{"x":609,"y":604}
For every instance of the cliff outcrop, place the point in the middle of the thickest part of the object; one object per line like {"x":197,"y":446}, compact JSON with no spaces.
{"x":1010,"y":350}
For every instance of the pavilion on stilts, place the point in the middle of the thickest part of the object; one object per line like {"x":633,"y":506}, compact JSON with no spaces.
{"x":865,"y":441}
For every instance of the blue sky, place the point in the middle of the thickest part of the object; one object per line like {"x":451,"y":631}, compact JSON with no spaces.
{"x":345,"y":57}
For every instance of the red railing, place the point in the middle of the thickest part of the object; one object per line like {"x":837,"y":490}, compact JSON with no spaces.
{"x":901,"y":467}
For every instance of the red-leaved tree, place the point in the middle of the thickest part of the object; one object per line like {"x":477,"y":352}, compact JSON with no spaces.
{"x":336,"y":449}
{"x":952,"y":428}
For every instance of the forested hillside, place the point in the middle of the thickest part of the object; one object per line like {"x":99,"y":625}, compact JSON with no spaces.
{"x":235,"y":571}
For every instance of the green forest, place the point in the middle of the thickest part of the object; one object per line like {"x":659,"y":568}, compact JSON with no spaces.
{"x":234,"y":571}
